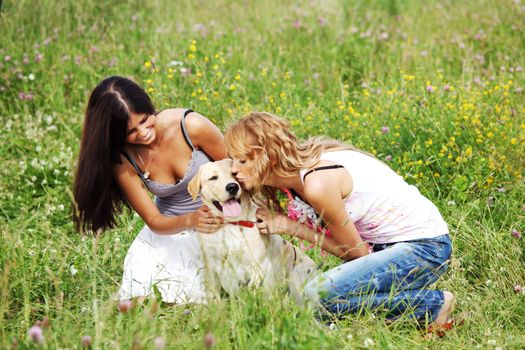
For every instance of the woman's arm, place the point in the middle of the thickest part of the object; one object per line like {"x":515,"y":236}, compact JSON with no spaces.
{"x":138,"y":197}
{"x":276,"y":223}
{"x":325,"y":194}
{"x":206,"y":136}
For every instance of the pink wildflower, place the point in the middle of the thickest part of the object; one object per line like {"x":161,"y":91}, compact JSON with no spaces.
{"x":518,"y":289}
{"x":124,"y":306}
{"x":516,"y":233}
{"x":38,"y":57}
{"x":430,"y":88}
{"x":36,"y":334}
{"x":297,"y":24}
{"x":160,"y":343}
{"x":112,"y":62}
{"x":388,"y":158}
{"x":321,"y":21}
{"x":383,"y":36}
{"x":385,"y":129}
{"x":86,"y":341}
{"x":7,"y":58}
{"x":209,"y":340}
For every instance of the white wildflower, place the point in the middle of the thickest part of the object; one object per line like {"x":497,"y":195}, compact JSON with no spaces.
{"x":73,"y":270}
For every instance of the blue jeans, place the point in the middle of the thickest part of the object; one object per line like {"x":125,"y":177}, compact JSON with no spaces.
{"x":394,"y":278}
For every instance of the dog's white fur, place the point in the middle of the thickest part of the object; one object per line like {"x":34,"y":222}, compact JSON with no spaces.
{"x":238,"y":256}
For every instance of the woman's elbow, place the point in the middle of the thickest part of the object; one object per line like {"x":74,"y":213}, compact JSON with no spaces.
{"x":355,"y":253}
{"x":155,"y":224}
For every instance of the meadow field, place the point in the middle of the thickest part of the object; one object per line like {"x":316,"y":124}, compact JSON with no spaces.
{"x":433,"y":88}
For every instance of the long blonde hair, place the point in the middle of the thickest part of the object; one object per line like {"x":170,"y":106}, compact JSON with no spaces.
{"x":268,"y":141}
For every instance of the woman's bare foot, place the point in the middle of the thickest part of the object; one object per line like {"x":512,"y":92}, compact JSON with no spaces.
{"x":446,"y":309}
{"x":442,"y":323}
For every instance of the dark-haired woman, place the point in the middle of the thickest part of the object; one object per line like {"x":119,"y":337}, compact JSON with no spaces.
{"x":128,"y":149}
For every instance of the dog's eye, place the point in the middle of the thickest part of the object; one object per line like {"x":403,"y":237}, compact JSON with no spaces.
{"x":213,"y":178}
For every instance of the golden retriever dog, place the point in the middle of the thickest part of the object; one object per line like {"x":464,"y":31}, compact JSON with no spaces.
{"x":238,"y":255}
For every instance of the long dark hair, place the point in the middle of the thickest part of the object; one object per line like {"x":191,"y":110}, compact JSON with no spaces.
{"x":97,"y":195}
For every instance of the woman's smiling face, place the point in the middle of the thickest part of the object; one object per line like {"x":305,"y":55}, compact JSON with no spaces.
{"x":141,"y":129}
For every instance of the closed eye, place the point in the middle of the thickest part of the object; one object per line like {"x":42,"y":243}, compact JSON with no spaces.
{"x":142,"y":121}
{"x":213,"y":178}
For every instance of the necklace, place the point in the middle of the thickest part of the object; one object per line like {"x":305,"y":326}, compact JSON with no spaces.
{"x":146,"y":166}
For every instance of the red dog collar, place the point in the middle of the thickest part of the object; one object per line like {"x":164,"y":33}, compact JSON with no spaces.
{"x":244,"y":223}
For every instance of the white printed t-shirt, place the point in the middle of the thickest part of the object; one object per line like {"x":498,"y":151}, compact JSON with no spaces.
{"x":383,"y":207}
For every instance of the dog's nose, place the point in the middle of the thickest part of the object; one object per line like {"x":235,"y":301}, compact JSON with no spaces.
{"x":232,"y":188}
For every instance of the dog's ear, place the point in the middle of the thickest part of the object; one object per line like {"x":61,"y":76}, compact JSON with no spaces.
{"x":194,"y":186}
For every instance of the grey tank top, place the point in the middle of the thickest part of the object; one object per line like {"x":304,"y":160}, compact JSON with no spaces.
{"x":174,"y":199}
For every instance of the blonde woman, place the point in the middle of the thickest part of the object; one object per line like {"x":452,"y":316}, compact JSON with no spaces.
{"x":393,"y":240}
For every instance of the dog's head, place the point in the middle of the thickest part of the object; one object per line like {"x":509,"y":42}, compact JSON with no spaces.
{"x":219,"y":190}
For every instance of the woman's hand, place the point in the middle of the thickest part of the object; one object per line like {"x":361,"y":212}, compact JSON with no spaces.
{"x":206,"y":222}
{"x":270,"y":222}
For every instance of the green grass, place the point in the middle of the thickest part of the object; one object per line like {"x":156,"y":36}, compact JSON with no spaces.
{"x":433,"y":88}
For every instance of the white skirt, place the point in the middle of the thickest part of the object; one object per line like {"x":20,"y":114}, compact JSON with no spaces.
{"x":170,"y":263}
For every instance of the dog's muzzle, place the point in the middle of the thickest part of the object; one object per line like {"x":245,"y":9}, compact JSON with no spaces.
{"x":232,"y":206}
{"x":232,"y":188}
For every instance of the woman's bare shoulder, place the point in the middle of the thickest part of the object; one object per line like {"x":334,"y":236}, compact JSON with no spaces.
{"x":124,"y":167}
{"x":170,"y":117}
